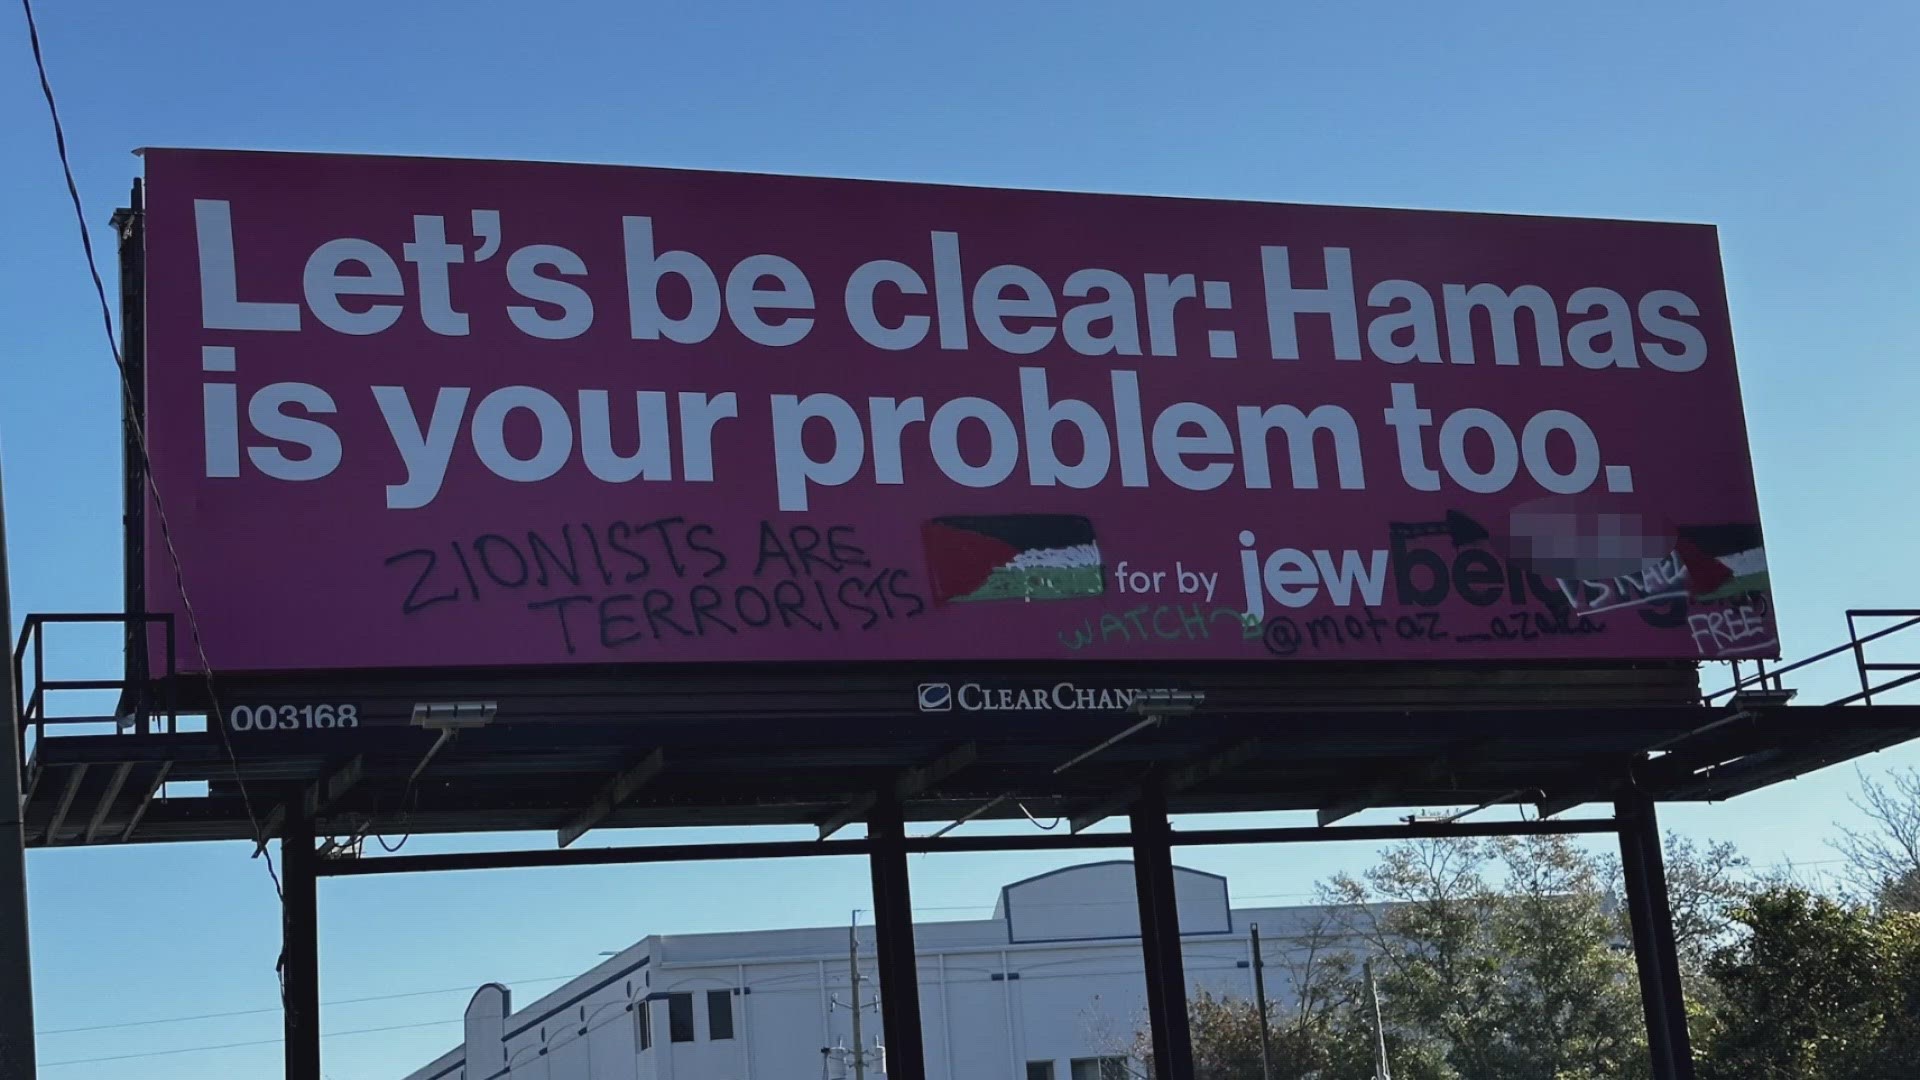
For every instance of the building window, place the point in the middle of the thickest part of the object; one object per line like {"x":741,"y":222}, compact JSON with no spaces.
{"x":719,"y":1014}
{"x":643,"y":1024}
{"x":680,"y":1017}
{"x":1039,"y":1070}
{"x":1100,"y":1068}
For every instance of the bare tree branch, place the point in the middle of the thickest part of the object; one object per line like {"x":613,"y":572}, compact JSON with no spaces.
{"x":1884,"y":859}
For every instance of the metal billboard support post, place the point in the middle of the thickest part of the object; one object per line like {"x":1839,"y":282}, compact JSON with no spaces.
{"x":893,"y":931}
{"x":1151,"y":839}
{"x":1160,"y":938}
{"x":16,"y":967}
{"x":300,"y":948}
{"x":1260,"y":1003}
{"x":130,"y":223}
{"x":1654,"y":954}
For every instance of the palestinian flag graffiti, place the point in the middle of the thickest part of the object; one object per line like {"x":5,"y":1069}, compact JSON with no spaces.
{"x":1013,"y":557}
{"x":1723,"y":561}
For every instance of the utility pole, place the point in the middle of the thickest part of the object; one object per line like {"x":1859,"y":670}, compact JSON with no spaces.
{"x":853,"y":972}
{"x":1260,"y":1002}
{"x":16,"y":969}
{"x":1383,"y":1070}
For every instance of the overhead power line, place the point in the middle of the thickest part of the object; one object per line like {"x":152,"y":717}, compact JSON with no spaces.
{"x":236,"y":1045}
{"x":276,"y":1008}
{"x":558,"y":978}
{"x":137,"y":424}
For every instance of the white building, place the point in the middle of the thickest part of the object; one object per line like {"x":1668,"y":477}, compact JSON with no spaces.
{"x":1050,"y":988}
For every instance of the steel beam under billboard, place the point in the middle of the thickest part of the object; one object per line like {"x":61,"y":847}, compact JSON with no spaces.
{"x":438,"y":413}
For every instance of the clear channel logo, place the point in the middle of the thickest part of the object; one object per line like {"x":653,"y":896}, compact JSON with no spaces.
{"x":1060,"y":697}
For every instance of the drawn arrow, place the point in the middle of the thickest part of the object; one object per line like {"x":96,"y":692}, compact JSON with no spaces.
{"x":1457,"y":527}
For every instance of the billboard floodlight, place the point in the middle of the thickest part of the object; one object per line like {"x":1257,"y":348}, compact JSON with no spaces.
{"x":454,"y":715}
{"x":449,"y":718}
{"x":1164,"y":703}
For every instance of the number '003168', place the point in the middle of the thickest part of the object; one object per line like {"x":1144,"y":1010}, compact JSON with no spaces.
{"x":292,"y":717}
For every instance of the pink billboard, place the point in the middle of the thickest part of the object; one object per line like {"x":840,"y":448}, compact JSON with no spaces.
{"x":441,"y":413}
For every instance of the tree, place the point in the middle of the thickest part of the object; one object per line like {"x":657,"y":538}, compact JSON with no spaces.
{"x":1334,"y":1044}
{"x":1519,"y":979}
{"x":1705,"y":888}
{"x":1898,"y":1048}
{"x":1706,"y":885}
{"x":1226,"y":1042}
{"x":1498,"y":959}
{"x":1884,"y":859}
{"x":1571,"y":1007}
{"x":1422,"y":913}
{"x":1818,"y":989}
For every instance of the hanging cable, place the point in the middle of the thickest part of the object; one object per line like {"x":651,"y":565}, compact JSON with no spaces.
{"x":137,"y":424}
{"x":1035,"y":820}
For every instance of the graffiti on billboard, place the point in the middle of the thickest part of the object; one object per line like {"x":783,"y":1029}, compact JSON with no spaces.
{"x":1712,"y":585}
{"x":1145,"y":624}
{"x":618,"y":585}
{"x":1013,"y":557}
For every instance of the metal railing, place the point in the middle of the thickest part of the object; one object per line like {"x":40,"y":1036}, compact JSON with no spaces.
{"x":140,"y":711}
{"x":138,"y":708}
{"x":1765,"y":678}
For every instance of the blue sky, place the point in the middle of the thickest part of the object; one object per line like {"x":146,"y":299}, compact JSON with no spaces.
{"x":1787,"y":125}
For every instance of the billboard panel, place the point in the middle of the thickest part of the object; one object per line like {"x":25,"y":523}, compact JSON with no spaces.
{"x":426,"y":413}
